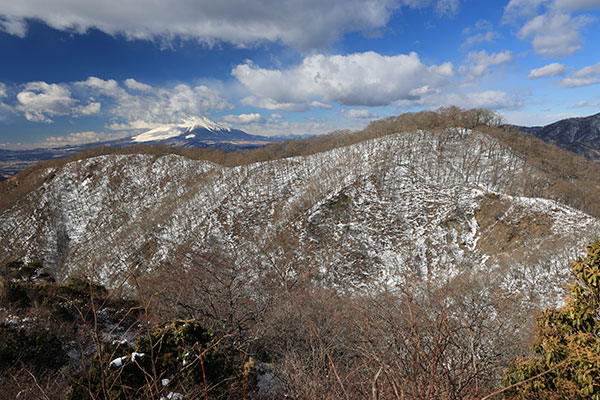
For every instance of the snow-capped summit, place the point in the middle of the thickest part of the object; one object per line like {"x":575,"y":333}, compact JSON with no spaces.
{"x":168,"y":131}
{"x":203,"y":122}
{"x":195,"y":131}
{"x":198,"y":132}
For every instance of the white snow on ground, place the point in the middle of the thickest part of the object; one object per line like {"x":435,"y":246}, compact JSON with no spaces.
{"x":173,"y":396}
{"x":118,"y":362}
{"x":159,"y":133}
{"x":360,"y":216}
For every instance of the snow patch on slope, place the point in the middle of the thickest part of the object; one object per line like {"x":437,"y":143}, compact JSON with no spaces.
{"x":360,"y":216}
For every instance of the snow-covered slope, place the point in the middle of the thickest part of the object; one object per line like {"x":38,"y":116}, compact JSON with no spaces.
{"x":169,"y":131}
{"x":192,"y":132}
{"x":362,"y":216}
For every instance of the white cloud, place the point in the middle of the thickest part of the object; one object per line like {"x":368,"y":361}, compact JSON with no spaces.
{"x":492,"y":99}
{"x":448,"y":8}
{"x":103,"y":87}
{"x":135,"y":85}
{"x":423,"y":91}
{"x":577,"y":5}
{"x":13,"y":26}
{"x":547,"y":71}
{"x":269,"y":104}
{"x":480,"y":25}
{"x":534,"y":119}
{"x":319,"y":104}
{"x":81,"y":138}
{"x":4,"y":108}
{"x":276,"y":116}
{"x":360,"y":79}
{"x":578,"y":82}
{"x":244,"y":119}
{"x":590,"y":70}
{"x":481,"y":61}
{"x":305,"y":24}
{"x":40,"y":100}
{"x":481,"y":32}
{"x":359,"y":113}
{"x":481,"y":37}
{"x":442,"y":8}
{"x":279,"y":127}
{"x":149,"y":106}
{"x":90,"y":109}
{"x":134,"y":105}
{"x":517,"y":9}
{"x":586,"y":76}
{"x":554,"y":34}
{"x":584,"y":104}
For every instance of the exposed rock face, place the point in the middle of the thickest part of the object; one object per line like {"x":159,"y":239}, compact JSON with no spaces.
{"x":579,"y":135}
{"x":355,"y":217}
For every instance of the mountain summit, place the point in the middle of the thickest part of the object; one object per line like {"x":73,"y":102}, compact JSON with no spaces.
{"x":198,"y":132}
{"x":579,"y":135}
{"x":169,"y":131}
{"x":192,"y":132}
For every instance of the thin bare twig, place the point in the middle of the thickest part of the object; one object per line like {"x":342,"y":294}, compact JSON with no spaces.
{"x":37,"y":385}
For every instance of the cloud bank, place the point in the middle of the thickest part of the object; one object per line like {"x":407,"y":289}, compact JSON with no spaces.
{"x":144,"y":106}
{"x":555,"y":32}
{"x":131,"y":105}
{"x":39,"y":101}
{"x":360,"y":79}
{"x":586,"y":76}
{"x":481,"y":61}
{"x":245,"y":119}
{"x":303,"y":24}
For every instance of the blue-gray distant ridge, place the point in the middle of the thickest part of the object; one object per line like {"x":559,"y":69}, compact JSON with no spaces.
{"x":579,"y":135}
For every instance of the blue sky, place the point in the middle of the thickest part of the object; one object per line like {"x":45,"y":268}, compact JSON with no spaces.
{"x":76,"y":71}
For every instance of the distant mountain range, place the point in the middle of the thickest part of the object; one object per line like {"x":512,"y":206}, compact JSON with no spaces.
{"x":196,"y":132}
{"x":579,"y":135}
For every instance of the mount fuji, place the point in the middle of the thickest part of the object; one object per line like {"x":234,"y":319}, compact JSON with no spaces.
{"x":198,"y":132}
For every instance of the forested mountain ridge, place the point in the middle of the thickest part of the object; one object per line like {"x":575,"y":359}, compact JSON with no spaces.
{"x":432,"y":201}
{"x":427,"y":236}
{"x":579,"y":135}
